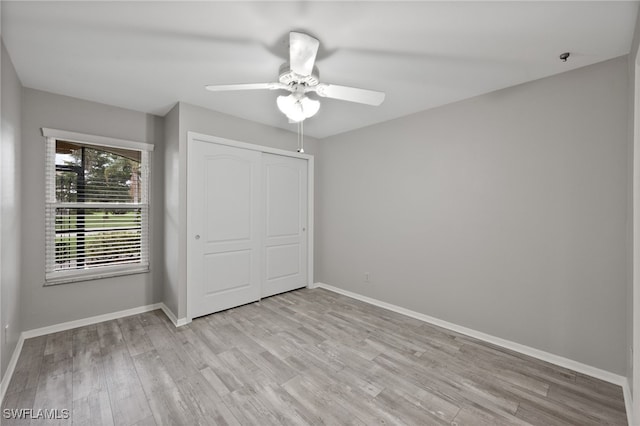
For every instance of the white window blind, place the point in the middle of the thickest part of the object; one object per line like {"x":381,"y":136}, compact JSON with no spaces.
{"x":97,"y":209}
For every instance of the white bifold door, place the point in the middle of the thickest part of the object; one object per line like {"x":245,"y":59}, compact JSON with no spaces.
{"x":247,"y":226}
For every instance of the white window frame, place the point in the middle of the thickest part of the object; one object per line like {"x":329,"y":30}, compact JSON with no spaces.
{"x":53,"y":277}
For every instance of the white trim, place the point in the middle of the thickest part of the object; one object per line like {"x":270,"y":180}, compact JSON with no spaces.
{"x":93,"y":205}
{"x":310,"y":218}
{"x":88,"y":321}
{"x":8,"y":375}
{"x":77,"y":275}
{"x":96,"y":140}
{"x":194,"y":136}
{"x":172,"y":317}
{"x":579,"y":367}
{"x":55,"y":276}
{"x":237,"y":144}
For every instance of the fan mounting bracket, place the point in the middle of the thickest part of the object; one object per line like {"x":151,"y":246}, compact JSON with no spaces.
{"x":288,"y":77}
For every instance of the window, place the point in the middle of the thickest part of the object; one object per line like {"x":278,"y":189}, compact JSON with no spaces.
{"x":97,"y":207}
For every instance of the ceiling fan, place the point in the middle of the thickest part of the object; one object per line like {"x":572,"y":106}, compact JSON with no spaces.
{"x":300,"y":76}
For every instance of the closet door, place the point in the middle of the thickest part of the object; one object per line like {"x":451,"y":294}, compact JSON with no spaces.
{"x":285,"y":218}
{"x":224,"y":228}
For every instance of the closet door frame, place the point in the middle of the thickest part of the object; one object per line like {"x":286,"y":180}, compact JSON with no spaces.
{"x":194,"y":136}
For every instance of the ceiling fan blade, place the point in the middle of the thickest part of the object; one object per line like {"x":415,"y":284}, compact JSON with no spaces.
{"x":302,"y":53}
{"x":250,"y":86}
{"x":351,"y":94}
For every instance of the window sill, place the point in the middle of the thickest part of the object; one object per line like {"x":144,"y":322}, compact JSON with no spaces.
{"x":65,"y":277}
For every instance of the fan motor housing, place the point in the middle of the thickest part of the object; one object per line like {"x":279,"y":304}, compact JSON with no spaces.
{"x":287,"y":76}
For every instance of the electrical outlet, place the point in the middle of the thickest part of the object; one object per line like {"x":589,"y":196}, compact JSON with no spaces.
{"x":367,"y":277}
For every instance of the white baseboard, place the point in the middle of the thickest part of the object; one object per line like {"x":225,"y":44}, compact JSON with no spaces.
{"x":598,"y":373}
{"x":88,"y":321}
{"x":178,"y":322}
{"x":4,"y":384}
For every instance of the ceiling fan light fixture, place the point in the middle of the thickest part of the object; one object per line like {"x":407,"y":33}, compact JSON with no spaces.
{"x":310,"y":106}
{"x":297,"y":108}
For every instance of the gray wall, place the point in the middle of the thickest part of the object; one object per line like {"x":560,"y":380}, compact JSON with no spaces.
{"x":10,"y":211}
{"x":634,"y":195}
{"x":505,"y":213}
{"x":43,"y":306}
{"x":201,"y":120}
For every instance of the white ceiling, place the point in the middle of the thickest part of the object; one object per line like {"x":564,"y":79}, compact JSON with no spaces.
{"x":148,"y":55}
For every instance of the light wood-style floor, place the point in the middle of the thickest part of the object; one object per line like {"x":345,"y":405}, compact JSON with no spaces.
{"x":304,"y":357}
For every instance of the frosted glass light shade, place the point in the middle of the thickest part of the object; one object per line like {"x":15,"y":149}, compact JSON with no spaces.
{"x":296,"y":109}
{"x":309,"y":107}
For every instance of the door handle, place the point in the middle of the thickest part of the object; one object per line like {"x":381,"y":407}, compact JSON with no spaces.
{"x":197,"y":237}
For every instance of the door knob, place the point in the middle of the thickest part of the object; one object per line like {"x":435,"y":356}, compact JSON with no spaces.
{"x":197,"y":237}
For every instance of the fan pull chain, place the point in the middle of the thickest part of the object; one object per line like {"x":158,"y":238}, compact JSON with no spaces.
{"x":301,"y":137}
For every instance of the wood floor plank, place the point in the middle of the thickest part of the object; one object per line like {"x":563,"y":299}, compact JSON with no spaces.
{"x":88,"y":370}
{"x":304,"y":357}
{"x":59,"y":342}
{"x":28,"y":366}
{"x":152,"y":317}
{"x":527,"y":366}
{"x":196,"y":349}
{"x":134,"y":335}
{"x":167,"y":403}
{"x":206,"y":332}
{"x":361,"y":403}
{"x":109,"y":334}
{"x":456,"y":387}
{"x":94,"y":409}
{"x":178,"y":363}
{"x":248,"y":373}
{"x":279,"y":371}
{"x":288,"y":406}
{"x":54,"y":392}
{"x":204,"y":401}
{"x":128,"y":400}
{"x":474,"y":415}
{"x":600,"y":387}
{"x":406,"y":411}
{"x":271,"y":342}
{"x":248,"y":410}
{"x":320,"y":402}
{"x":552,"y":415}
{"x":148,"y":421}
{"x":587,"y":402}
{"x":16,"y":401}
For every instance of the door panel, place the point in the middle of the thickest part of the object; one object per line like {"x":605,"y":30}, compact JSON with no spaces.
{"x":285,"y":235}
{"x":233,"y":270}
{"x":283,"y":196}
{"x":283,"y":261}
{"x":228,"y":191}
{"x":224,"y":227}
